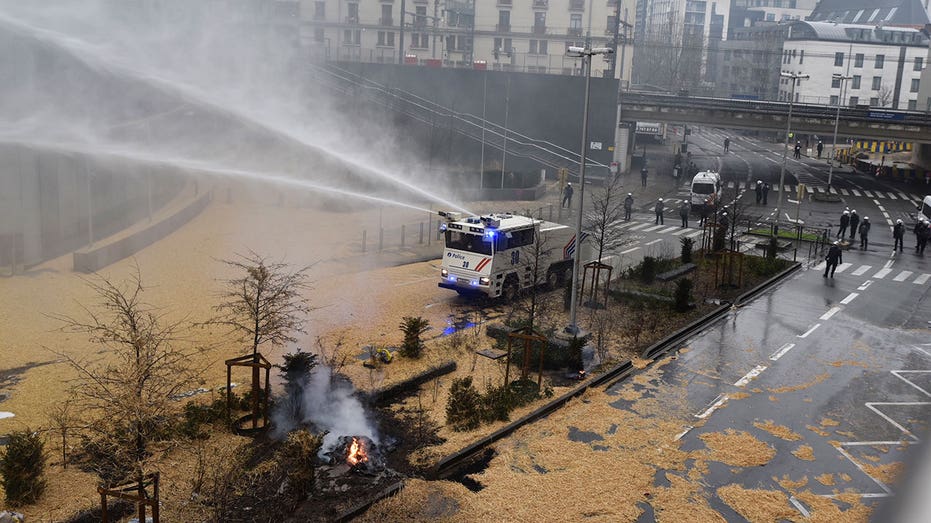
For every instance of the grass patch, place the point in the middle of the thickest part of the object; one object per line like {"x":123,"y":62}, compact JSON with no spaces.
{"x":784,"y":234}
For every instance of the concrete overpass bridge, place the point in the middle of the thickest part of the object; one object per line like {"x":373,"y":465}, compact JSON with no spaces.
{"x":872,"y":123}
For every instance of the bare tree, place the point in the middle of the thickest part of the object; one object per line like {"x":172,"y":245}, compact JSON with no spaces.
{"x":601,"y":222}
{"x":885,"y":95}
{"x":263,"y":306}
{"x":129,"y":394}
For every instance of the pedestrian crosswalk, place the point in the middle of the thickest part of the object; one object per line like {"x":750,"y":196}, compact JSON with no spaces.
{"x":882,"y":195}
{"x":902,"y":276}
{"x":650,"y":226}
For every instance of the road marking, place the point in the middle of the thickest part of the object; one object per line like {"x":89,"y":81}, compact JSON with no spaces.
{"x":664,"y":231}
{"x":639,"y":226}
{"x":715,"y":405}
{"x":782,"y":351}
{"x":921,"y":279}
{"x":750,"y":375}
{"x":790,"y":200}
{"x":855,"y":192}
{"x":625,"y":224}
{"x":844,"y":192}
{"x":886,"y":216}
{"x":683,"y":433}
{"x":897,"y":374}
{"x":866,"y":284}
{"x":892,"y":196}
{"x":859,"y":466}
{"x":628,"y":251}
{"x":843,"y":267}
{"x":694,"y":234}
{"x":654,"y":228}
{"x":831,"y":312}
{"x":850,"y":297}
{"x":681,"y":231}
{"x":809,"y":331}
{"x":904,"y":196}
{"x":902,"y":276}
{"x":868,"y":193}
{"x":861,"y":270}
{"x":882,"y":273}
{"x":652,"y":242}
{"x":871,"y":405}
{"x":801,"y":508}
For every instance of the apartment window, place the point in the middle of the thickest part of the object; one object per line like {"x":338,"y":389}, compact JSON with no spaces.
{"x":319,"y":10}
{"x":539,"y":19}
{"x":915,"y":83}
{"x":319,"y":35}
{"x":877,"y":82}
{"x":874,"y":101}
{"x":913,"y":105}
{"x":858,"y":60}
{"x":838,"y":59}
{"x":420,"y":18}
{"x":835,"y":83}
{"x":575,"y":24}
{"x":353,"y":13}
{"x":419,"y":41}
{"x":770,"y":17}
{"x":834,"y":99}
{"x":919,"y":63}
{"x":352,"y":36}
{"x":504,"y":20}
{"x":801,"y":56}
{"x":856,"y":82}
{"x":854,"y":101}
{"x":533,"y":47}
{"x":880,"y":60}
{"x":386,"y":14}
{"x":386,"y":38}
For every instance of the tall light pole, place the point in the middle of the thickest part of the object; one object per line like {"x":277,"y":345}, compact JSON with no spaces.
{"x":585,"y":53}
{"x":840,"y":101}
{"x":795,"y":77}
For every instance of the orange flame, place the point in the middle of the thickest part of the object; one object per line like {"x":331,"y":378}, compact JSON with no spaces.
{"x":357,"y":453}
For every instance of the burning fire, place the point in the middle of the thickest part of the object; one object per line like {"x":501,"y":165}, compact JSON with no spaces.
{"x":357,"y":453}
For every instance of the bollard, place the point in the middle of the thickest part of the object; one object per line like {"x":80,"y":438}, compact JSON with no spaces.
{"x":363,"y":239}
{"x":403,"y":234}
{"x":420,"y":241}
{"x":381,"y":238}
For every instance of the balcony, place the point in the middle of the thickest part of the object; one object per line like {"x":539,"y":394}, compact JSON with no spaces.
{"x":352,"y":20}
{"x":503,"y":28}
{"x":541,"y":4}
{"x":538,"y":29}
{"x":386,"y":20}
{"x":504,"y":2}
{"x":574,"y":31}
{"x":576,"y":5}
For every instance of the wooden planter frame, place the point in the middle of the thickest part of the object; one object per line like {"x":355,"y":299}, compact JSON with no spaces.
{"x":134,"y":491}
{"x":256,"y":362}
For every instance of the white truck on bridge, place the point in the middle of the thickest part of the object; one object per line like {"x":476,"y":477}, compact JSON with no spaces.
{"x":495,"y":255}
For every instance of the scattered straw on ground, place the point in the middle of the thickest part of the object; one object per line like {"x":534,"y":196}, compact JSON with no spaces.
{"x":844,"y":476}
{"x":818,"y":431}
{"x":802,"y":386}
{"x":790,"y":485}
{"x":737,"y":448}
{"x":851,"y":363}
{"x":826,"y":479}
{"x":779,"y":431}
{"x":828,"y":422}
{"x":824,"y":510}
{"x":757,"y":505}
{"x":886,"y":472}
{"x":738,"y":395}
{"x":804,"y":452}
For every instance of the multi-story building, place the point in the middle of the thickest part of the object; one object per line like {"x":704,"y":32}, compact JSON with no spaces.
{"x":887,"y":12}
{"x":746,"y":13}
{"x":884,"y":63}
{"x":507,"y":35}
{"x":750,"y":62}
{"x":675,"y":40}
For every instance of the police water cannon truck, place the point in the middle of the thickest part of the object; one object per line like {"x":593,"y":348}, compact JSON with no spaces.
{"x":496,"y":255}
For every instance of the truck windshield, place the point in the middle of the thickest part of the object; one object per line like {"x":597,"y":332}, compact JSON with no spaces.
{"x":703,"y":188}
{"x":467,"y":242}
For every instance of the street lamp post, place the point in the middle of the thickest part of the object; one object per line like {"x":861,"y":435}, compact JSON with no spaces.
{"x":795,"y":77}
{"x":585,"y":53}
{"x":840,"y":101}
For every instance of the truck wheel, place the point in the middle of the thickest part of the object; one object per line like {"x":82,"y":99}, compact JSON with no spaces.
{"x":509,"y":291}
{"x":552,"y":279}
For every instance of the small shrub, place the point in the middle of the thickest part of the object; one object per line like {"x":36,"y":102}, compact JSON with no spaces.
{"x":22,"y":467}
{"x":413,"y":328}
{"x":195,"y":415}
{"x":497,"y":404}
{"x":464,"y":407}
{"x":683,"y":294}
{"x":764,"y":266}
{"x":648,"y":269}
{"x":687,"y":244}
{"x":298,"y":457}
{"x":772,"y":248}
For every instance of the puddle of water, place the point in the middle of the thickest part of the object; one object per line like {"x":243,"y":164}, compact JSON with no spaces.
{"x":583,"y":436}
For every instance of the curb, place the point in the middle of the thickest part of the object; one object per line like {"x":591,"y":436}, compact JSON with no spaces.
{"x":664,"y":345}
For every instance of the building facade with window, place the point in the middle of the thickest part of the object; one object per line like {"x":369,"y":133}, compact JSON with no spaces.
{"x":884,"y":63}
{"x":507,"y":35}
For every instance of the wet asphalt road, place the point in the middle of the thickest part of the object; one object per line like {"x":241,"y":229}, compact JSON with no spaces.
{"x":843,"y":362}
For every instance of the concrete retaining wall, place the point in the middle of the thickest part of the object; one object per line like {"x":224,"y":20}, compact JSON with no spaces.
{"x":95,"y":258}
